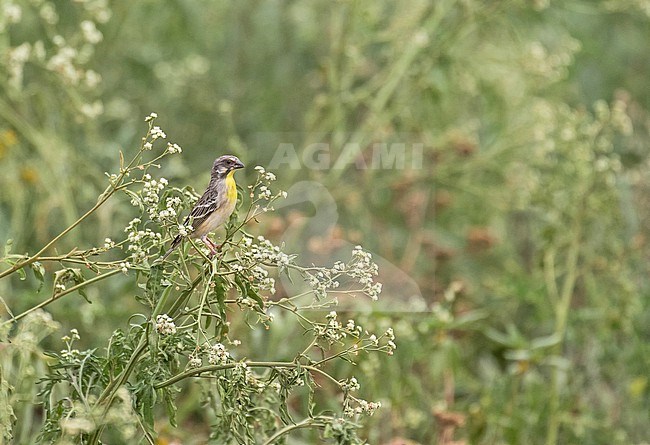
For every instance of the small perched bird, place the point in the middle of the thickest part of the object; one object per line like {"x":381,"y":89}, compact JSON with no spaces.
{"x":216,"y":204}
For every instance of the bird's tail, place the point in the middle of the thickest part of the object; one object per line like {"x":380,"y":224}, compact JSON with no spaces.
{"x":175,"y":244}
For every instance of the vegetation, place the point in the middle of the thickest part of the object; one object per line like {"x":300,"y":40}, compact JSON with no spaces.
{"x":490,"y":157}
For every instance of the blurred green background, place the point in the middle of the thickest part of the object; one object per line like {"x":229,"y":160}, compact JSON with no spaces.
{"x":524,"y":225}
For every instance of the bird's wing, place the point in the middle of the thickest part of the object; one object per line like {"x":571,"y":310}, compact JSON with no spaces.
{"x":207,"y":203}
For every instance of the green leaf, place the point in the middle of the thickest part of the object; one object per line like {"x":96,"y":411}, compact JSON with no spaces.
{"x":168,"y":398}
{"x":284,"y":410}
{"x":311,"y":402}
{"x":71,"y":275}
{"x":546,"y":342}
{"x":39,"y":273}
{"x":247,"y":290}
{"x":154,"y":282}
{"x":146,"y":402}
{"x":78,"y":278}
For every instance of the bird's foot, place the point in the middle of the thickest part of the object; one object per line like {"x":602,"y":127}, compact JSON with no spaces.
{"x":212,"y":246}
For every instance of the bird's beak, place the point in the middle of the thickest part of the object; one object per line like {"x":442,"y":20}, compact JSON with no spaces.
{"x":239,"y":164}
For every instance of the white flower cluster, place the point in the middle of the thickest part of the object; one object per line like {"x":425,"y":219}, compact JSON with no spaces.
{"x":64,"y":56}
{"x":74,"y":335}
{"x":262,"y":279}
{"x":264,"y":175}
{"x":184,"y":230}
{"x":150,"y":189}
{"x":69,"y":353}
{"x":194,"y":362}
{"x":253,"y":255}
{"x":249,"y":302}
{"x":171,"y":204}
{"x":217,"y":354}
{"x":150,"y":197}
{"x":11,"y":12}
{"x":350,"y":384}
{"x":151,"y":117}
{"x":92,"y":110}
{"x":540,"y":61}
{"x":157,"y":133}
{"x":264,"y":179}
{"x":390,"y":345}
{"x":258,"y":276}
{"x":264,"y":252}
{"x":332,"y":331}
{"x":620,"y":118}
{"x":90,"y":32}
{"x":140,"y":241}
{"x":362,"y":268}
{"x":133,"y":224}
{"x":63,"y":63}
{"x":264,"y":193}
{"x":321,"y":281}
{"x":173,"y":148}
{"x":16,"y":59}
{"x":364,"y":407}
{"x":108,"y":243}
{"x":165,"y":325}
{"x":353,"y":329}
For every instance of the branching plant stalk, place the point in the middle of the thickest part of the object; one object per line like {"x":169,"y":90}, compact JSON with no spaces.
{"x":561,"y":316}
{"x":211,"y":368}
{"x":108,"y":192}
{"x":20,"y":264}
{"x":55,"y":297}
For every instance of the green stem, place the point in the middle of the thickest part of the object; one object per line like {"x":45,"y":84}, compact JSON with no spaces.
{"x":307,"y":423}
{"x":20,"y":264}
{"x":210,"y":368}
{"x":395,"y":76}
{"x":109,"y":392}
{"x":182,"y":298}
{"x":106,"y":194}
{"x":561,"y":317}
{"x":55,"y":297}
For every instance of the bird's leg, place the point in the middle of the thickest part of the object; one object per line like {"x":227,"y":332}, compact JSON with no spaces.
{"x":217,"y":247}
{"x":210,"y":244}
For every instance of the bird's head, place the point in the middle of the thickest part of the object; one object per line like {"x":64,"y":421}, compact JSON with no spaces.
{"x":225,"y":164}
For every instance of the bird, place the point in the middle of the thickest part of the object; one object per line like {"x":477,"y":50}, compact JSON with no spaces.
{"x":216,"y":204}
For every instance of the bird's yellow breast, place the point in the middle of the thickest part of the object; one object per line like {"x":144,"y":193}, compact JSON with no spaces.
{"x":231,"y":187}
